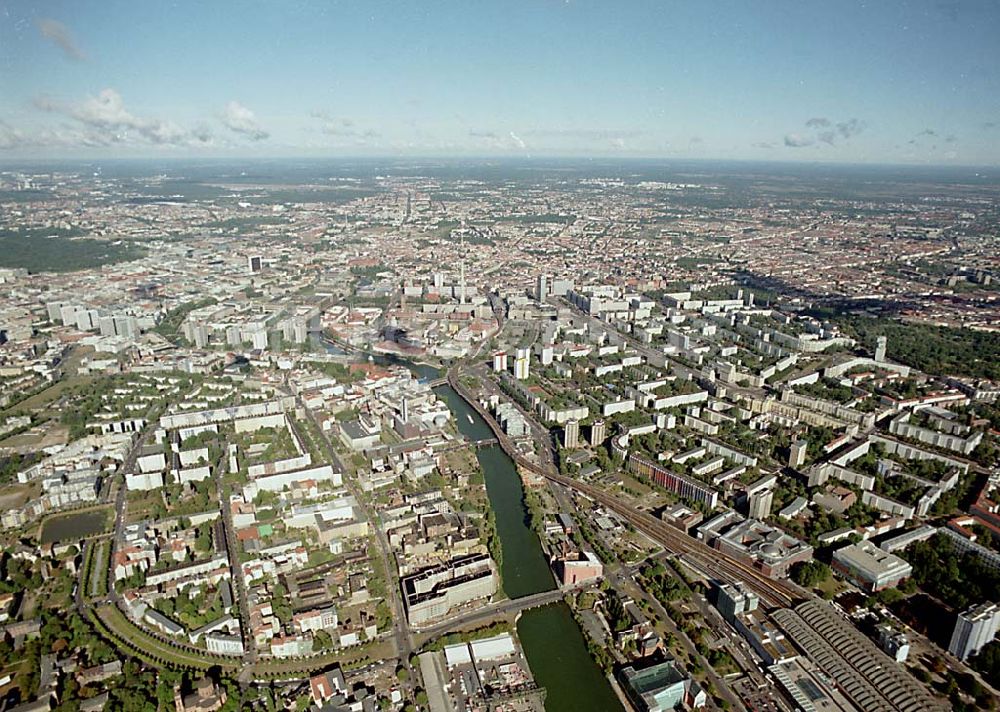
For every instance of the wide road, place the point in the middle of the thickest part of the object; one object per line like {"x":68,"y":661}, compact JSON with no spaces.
{"x":509,"y":605}
{"x":400,"y":623}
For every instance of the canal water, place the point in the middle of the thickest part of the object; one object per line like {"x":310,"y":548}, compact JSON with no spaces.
{"x":76,"y":525}
{"x":524,"y":570}
{"x":552,"y":640}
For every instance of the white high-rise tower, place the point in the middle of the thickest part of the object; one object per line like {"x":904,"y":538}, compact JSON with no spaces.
{"x":461,"y":280}
{"x":880,"y":349}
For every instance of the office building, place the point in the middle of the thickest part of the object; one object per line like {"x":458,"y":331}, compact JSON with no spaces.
{"x":255,"y":263}
{"x":661,"y":687}
{"x":869,"y":567}
{"x":766,"y":548}
{"x":500,"y":361}
{"x":680,"y":516}
{"x":584,"y":566}
{"x":893,"y":642}
{"x":733,"y":599}
{"x":974,"y":628}
{"x":430,"y":593}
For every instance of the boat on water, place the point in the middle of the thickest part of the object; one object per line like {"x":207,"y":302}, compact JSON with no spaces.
{"x":470,"y":418}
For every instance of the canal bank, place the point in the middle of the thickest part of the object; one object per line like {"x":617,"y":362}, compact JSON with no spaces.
{"x":553,"y":643}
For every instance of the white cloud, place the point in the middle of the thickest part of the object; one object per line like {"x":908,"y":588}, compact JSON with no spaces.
{"x":518,"y":141}
{"x":60,"y":35}
{"x":242,"y":120}
{"x":103,"y":120}
{"x":794,"y":140}
{"x":10,"y":137}
{"x":498,"y":141}
{"x":831,"y":134}
{"x":343,"y":127}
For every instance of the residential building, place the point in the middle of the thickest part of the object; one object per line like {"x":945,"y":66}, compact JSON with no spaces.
{"x":571,"y":434}
{"x":974,"y":628}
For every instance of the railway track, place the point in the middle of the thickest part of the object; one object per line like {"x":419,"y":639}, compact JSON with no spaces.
{"x":775,"y":594}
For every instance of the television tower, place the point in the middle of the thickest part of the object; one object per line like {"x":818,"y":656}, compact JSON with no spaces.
{"x":461,"y":279}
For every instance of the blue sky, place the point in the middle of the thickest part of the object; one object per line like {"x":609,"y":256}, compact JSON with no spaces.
{"x":873,"y":82}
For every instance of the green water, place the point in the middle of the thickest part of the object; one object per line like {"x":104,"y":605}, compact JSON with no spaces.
{"x":552,"y":641}
{"x":524,"y":569}
{"x":75,"y":526}
{"x":558,"y":658}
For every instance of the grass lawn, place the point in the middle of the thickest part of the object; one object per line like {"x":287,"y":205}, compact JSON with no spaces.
{"x":147,"y":647}
{"x":831,"y":587}
{"x":635,"y":485}
{"x":351,"y":657}
{"x":140,"y":505}
{"x":98,"y":583}
{"x":14,"y":496}
{"x":43,"y":399}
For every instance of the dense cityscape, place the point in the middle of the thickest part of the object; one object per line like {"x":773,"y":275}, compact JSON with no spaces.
{"x":499,"y":436}
{"x":522,"y":356}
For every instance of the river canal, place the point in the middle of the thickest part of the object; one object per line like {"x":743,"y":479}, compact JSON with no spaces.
{"x":552,"y":641}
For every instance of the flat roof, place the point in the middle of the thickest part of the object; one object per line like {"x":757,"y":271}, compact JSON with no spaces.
{"x":868,"y":559}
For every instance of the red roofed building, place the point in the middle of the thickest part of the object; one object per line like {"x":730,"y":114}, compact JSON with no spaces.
{"x":328,"y":685}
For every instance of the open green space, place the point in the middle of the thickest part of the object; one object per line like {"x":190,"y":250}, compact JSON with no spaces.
{"x":171,"y":323}
{"x":113,"y":624}
{"x":934,"y":349}
{"x":54,"y":250}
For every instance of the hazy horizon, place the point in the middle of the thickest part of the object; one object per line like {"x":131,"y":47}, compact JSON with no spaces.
{"x":893,"y":84}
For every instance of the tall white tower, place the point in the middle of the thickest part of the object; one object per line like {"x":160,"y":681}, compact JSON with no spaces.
{"x":880,"y":349}
{"x":541,"y":287}
{"x":461,"y":279}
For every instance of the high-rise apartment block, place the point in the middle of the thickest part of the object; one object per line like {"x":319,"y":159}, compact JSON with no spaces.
{"x":880,"y":349}
{"x":542,"y":287}
{"x":598,"y":432}
{"x":974,"y":629}
{"x":759,"y":504}
{"x":521,"y":364}
{"x":571,"y":433}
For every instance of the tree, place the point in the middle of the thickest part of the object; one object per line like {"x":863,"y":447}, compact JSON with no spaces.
{"x":322,"y":640}
{"x":810,"y":573}
{"x":203,"y":542}
{"x":987,"y":662}
{"x":280,"y":604}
